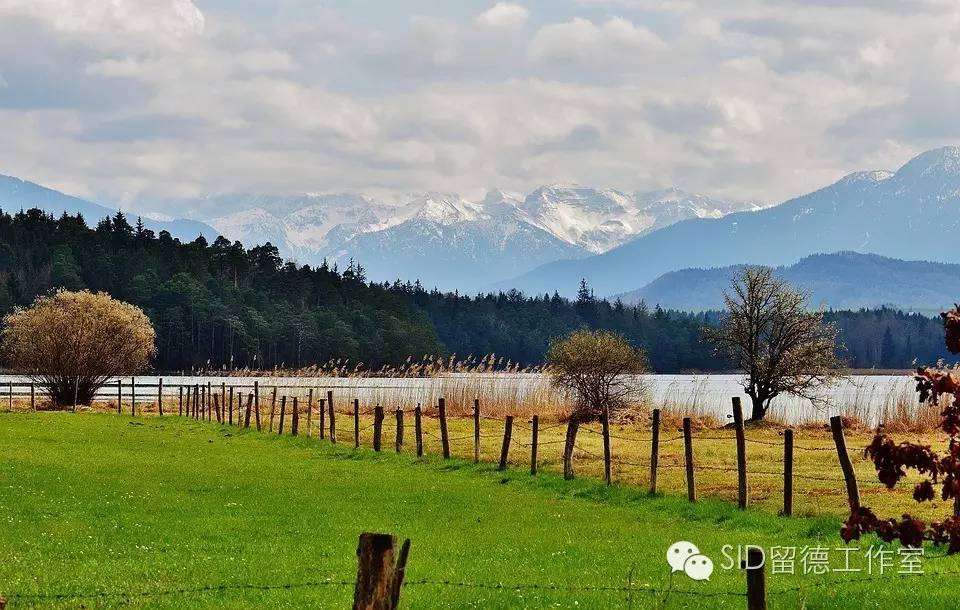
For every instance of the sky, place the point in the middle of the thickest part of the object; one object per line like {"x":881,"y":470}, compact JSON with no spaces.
{"x":127,"y":100}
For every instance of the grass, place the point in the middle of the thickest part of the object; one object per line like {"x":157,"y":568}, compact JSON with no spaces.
{"x":135,"y":509}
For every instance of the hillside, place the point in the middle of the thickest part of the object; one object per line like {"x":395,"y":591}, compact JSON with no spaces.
{"x":843,"y":280}
{"x":909,"y":214}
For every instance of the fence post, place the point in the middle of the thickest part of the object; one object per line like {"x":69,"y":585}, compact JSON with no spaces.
{"x":33,"y":400}
{"x":196,"y":401}
{"x":119,"y":396}
{"x":377,"y":427}
{"x":322,"y":414}
{"x":853,"y":492}
{"x":476,"y":430}
{"x":688,"y":458}
{"x":223,"y":399}
{"x":356,"y":423}
{"x":399,"y":437}
{"x":505,"y":449}
{"x":209,"y":400}
{"x":333,"y":416}
{"x":418,"y":429}
{"x":607,"y":470}
{"x":295,"y":424}
{"x":230,"y":412}
{"x":283,"y":408}
{"x":654,"y":451}
{"x":246,"y":416}
{"x":133,"y":397}
{"x":239,"y":409}
{"x":310,"y":413}
{"x":787,"y":472}
{"x":216,"y":406}
{"x":10,"y":395}
{"x":160,"y":397}
{"x":379,"y":577}
{"x":187,"y":404}
{"x":756,"y":578}
{"x":181,"y":400}
{"x":741,"y":454}
{"x":256,"y":403}
{"x":534,"y":435}
{"x":444,"y":437}
{"x":203,"y":402}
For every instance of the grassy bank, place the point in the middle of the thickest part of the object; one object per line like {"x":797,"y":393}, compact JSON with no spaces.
{"x":108,"y":511}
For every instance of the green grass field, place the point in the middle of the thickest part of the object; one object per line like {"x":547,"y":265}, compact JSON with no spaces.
{"x":106,"y":511}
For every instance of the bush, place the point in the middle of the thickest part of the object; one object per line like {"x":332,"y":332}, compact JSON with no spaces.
{"x":73,"y":342}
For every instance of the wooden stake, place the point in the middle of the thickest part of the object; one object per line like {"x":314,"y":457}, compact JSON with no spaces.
{"x":654,"y":451}
{"x":742,"y":496}
{"x":295,"y":424}
{"x":688,"y":458}
{"x":787,"y":472}
{"x":418,"y":429}
{"x":283,"y":408}
{"x":181,"y":400}
{"x":356,"y":423}
{"x":310,"y":413}
{"x":853,"y":492}
{"x":756,"y":579}
{"x":333,"y":417}
{"x":505,"y":448}
{"x":216,"y":406}
{"x":230,"y":413}
{"x":119,"y":396}
{"x":476,"y":430}
{"x":379,"y":577}
{"x":607,"y":458}
{"x":160,"y":397}
{"x":322,"y":414}
{"x":377,"y":427}
{"x":246,"y":416}
{"x":256,"y":404}
{"x":133,"y":397}
{"x":399,"y":437}
{"x":273,"y":406}
{"x":534,"y":435}
{"x":444,"y":436}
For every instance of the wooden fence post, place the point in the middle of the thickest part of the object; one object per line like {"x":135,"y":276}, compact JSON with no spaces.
{"x":196,"y":401}
{"x":295,"y":424}
{"x":119,"y":396}
{"x":444,"y":436}
{"x":505,"y":448}
{"x":322,"y":413}
{"x":534,"y":437}
{"x":418,"y":429}
{"x":215,"y":407}
{"x":853,"y":492}
{"x":787,"y":472}
{"x":10,"y":395}
{"x":688,"y":458}
{"x":377,"y":427}
{"x":741,"y":454}
{"x":310,"y":413}
{"x":246,"y":416}
{"x":356,"y":423}
{"x":133,"y":397}
{"x":273,"y":406}
{"x":203,"y":402}
{"x":333,"y":417}
{"x":654,"y":451}
{"x":223,"y":399}
{"x":607,"y":458}
{"x":399,"y":437}
{"x":33,"y":399}
{"x":756,"y":579}
{"x":379,"y":577}
{"x":160,"y":397}
{"x":476,"y":430}
{"x":239,"y":409}
{"x":181,"y":400}
{"x":256,"y":403}
{"x":209,"y":400}
{"x":230,"y":412}
{"x":283,"y":408}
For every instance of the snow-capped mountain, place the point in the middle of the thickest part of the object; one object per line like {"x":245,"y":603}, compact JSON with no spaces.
{"x":910,"y":214}
{"x":451,"y":242}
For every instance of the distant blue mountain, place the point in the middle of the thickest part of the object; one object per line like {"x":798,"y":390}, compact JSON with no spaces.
{"x":912,"y":214}
{"x":17,"y":194}
{"x":844,"y":280}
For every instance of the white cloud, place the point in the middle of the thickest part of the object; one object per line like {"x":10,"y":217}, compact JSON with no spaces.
{"x":504,"y":15}
{"x":582,"y":41}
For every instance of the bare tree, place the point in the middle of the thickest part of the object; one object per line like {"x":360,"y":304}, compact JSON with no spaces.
{"x":770,"y":333}
{"x":73,"y":342}
{"x":600,"y":372}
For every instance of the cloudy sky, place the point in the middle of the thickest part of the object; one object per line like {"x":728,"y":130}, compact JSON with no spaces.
{"x":122,"y":100}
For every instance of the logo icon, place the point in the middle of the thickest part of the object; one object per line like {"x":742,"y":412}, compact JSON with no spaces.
{"x":685,"y":557}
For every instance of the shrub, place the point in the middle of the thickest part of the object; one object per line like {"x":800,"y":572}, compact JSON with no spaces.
{"x":73,"y":342}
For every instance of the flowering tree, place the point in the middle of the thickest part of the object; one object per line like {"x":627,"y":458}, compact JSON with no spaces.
{"x":940,"y":470}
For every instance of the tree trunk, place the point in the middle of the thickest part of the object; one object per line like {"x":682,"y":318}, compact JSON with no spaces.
{"x":572,"y":426}
{"x":759,"y":408}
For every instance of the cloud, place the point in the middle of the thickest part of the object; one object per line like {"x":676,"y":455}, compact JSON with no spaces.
{"x":504,"y":15}
{"x":583,"y":42}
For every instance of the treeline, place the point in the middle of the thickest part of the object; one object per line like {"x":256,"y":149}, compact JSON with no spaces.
{"x":221,"y":305}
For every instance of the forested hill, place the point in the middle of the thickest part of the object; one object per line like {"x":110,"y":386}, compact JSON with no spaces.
{"x":220,"y":305}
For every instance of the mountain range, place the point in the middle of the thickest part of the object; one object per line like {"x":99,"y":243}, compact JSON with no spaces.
{"x":17,"y":194}
{"x":841,"y":280}
{"x":912,"y":213}
{"x":445,"y":240}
